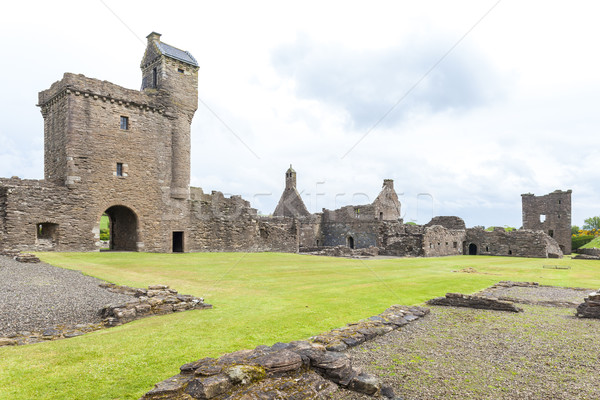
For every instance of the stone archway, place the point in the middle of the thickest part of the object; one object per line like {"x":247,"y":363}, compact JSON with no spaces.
{"x":123,"y":226}
{"x":472,"y":249}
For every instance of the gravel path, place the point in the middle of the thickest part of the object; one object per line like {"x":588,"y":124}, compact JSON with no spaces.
{"x":38,"y":296}
{"x":461,"y":353}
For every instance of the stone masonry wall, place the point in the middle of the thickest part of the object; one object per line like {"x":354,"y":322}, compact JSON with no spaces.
{"x":230,"y":224}
{"x":401,"y":240}
{"x":517,"y":243}
{"x":29,"y":203}
{"x":555,"y":210}
{"x":439,"y":241}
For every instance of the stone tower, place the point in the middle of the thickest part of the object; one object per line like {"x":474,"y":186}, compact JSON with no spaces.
{"x":290,"y":204}
{"x":172,"y":75}
{"x":550,"y":213}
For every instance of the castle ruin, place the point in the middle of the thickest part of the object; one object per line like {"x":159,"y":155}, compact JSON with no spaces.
{"x":126,"y":153}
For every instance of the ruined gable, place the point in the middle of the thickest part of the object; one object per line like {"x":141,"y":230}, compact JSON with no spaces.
{"x":290,"y":204}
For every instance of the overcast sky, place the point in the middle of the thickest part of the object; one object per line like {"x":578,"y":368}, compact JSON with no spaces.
{"x":465,"y":104}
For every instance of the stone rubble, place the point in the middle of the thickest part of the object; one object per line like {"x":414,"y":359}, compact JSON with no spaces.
{"x":480,"y":302}
{"x":590,"y":308}
{"x":295,"y":370}
{"x":20,"y":257}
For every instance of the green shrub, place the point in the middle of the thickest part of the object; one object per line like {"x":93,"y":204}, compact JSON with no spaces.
{"x":104,"y":234}
{"x":578,"y":241}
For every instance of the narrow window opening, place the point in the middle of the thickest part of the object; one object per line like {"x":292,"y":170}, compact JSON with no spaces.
{"x":551,"y":233}
{"x":119,"y":169}
{"x":455,"y":244}
{"x":487,"y":248}
{"x":124,"y":123}
{"x":542,"y":217}
{"x":180,"y":70}
{"x":381,"y":216}
{"x":510,"y":252}
{"x":559,"y":202}
{"x":154,"y":78}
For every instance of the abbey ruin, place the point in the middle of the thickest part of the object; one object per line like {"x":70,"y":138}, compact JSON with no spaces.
{"x":126,"y":153}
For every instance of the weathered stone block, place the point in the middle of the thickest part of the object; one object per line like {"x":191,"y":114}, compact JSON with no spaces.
{"x":208,"y":388}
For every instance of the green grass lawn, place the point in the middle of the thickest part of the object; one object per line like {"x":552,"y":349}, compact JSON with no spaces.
{"x":258,"y":298}
{"x":595,"y":243}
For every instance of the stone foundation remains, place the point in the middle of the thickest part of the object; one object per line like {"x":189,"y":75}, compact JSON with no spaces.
{"x":479,"y":302}
{"x":300,"y":369}
{"x":156,"y":300}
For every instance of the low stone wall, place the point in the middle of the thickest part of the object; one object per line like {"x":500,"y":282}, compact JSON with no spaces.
{"x":342,"y":251}
{"x":300,"y":369}
{"x":590,"y":308}
{"x":156,"y":300}
{"x":480,"y":302}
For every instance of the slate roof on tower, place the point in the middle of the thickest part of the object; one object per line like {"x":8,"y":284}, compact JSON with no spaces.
{"x":174,"y":52}
{"x":166,"y":50}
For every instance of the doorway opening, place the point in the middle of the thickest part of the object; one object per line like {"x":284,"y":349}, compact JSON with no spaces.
{"x":122,"y":228}
{"x":472,"y":249}
{"x":177,"y":242}
{"x":350,"y":242}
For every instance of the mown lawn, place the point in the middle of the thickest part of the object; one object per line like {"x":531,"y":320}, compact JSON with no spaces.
{"x":258,"y":298}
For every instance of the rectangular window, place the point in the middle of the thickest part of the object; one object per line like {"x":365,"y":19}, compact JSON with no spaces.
{"x":124,"y":123}
{"x":154,"y":78}
{"x":180,"y":70}
{"x":119,"y":169}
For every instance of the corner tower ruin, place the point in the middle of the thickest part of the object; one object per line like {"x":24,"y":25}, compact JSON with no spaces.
{"x":550,"y":213}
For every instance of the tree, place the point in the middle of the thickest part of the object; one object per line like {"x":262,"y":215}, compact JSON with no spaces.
{"x":574,"y":229}
{"x":592,"y":223}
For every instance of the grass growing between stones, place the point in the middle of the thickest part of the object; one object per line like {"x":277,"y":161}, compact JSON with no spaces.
{"x":258,"y":299}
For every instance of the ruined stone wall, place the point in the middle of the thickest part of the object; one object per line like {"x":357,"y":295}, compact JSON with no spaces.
{"x":352,"y":226}
{"x":387,"y":206}
{"x":401,"y":240}
{"x":309,"y":231}
{"x":230,"y":224}
{"x":449,"y":222}
{"x":439,"y":241}
{"x":517,"y":243}
{"x":3,"y":198}
{"x":550,"y":213}
{"x":31,"y":202}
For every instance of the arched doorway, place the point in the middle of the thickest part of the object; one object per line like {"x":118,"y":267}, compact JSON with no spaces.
{"x":350,"y":242}
{"x":472,"y":249}
{"x":123,"y":225}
